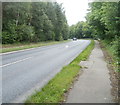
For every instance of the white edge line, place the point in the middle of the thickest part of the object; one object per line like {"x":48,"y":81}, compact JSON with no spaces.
{"x":25,"y":49}
{"x":17,"y":51}
{"x":15,"y":62}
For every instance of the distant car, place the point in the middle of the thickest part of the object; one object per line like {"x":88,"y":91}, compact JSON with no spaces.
{"x":75,"y":39}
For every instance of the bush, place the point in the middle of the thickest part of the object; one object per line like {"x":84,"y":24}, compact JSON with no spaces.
{"x":20,"y":33}
{"x":25,"y":33}
{"x":7,"y":38}
{"x":114,"y":50}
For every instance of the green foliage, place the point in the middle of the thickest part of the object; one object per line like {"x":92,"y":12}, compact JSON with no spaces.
{"x":33,"y":22}
{"x":114,"y":51}
{"x":104,"y":18}
{"x":25,"y":33}
{"x":81,"y":30}
{"x":7,"y":38}
{"x":54,"y":91}
{"x":94,"y":21}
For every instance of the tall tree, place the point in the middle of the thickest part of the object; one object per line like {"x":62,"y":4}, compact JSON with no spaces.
{"x":33,"y":21}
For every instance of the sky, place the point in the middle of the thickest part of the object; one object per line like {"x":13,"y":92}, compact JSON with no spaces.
{"x":75,"y":10}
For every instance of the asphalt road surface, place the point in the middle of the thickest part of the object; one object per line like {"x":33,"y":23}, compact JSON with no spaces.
{"x":23,"y":72}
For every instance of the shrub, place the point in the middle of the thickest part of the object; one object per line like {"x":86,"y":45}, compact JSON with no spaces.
{"x":25,"y":33}
{"x":7,"y":38}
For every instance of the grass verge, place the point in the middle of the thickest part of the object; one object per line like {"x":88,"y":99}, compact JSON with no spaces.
{"x":112,"y":54}
{"x":54,"y":91}
{"x":114,"y":71}
{"x":21,"y":46}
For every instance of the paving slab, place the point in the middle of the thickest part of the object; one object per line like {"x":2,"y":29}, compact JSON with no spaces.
{"x":93,"y":86}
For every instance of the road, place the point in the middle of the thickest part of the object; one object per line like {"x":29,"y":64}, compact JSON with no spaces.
{"x":26,"y":71}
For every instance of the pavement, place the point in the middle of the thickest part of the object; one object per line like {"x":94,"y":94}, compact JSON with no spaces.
{"x":93,"y":85}
{"x":23,"y":72}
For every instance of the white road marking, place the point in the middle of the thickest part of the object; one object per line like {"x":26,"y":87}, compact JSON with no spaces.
{"x":66,"y":46}
{"x":17,"y":51}
{"x":15,"y":62}
{"x":105,"y":98}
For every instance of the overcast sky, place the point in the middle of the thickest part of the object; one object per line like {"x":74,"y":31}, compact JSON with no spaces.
{"x":75,"y":10}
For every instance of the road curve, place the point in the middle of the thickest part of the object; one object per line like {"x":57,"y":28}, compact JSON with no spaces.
{"x":27,"y":71}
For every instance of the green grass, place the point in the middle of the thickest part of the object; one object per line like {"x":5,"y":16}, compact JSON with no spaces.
{"x":21,"y":46}
{"x":54,"y":91}
{"x":112,"y":51}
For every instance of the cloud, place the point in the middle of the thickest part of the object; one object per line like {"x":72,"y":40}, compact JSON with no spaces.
{"x":75,"y":10}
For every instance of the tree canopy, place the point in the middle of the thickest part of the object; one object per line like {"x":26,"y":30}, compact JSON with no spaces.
{"x":33,"y":22}
{"x":80,"y":30}
{"x":104,"y":19}
{"x":102,"y":22}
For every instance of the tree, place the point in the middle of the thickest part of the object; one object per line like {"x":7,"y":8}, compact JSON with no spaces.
{"x":33,"y":22}
{"x":81,"y":30}
{"x":104,"y":18}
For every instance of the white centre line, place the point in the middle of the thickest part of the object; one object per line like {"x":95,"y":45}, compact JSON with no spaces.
{"x":15,"y":62}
